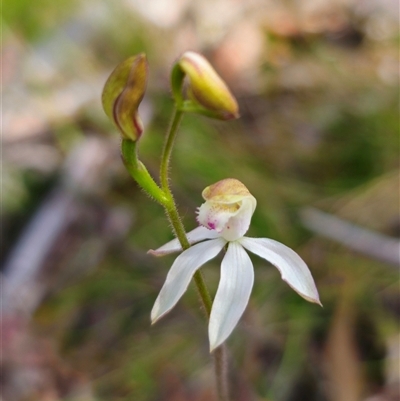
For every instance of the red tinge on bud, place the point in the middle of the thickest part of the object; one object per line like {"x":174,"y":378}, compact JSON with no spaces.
{"x":122,"y":94}
{"x":206,"y":88}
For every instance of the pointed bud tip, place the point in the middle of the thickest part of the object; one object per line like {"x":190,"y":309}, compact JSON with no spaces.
{"x":122,"y":94}
{"x":232,"y":116}
{"x":206,"y":88}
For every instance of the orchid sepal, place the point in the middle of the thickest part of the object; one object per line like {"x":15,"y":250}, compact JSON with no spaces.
{"x":122,"y":94}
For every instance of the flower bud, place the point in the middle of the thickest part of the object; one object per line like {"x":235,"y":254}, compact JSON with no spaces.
{"x":122,"y":94}
{"x":228,"y":208}
{"x":205,"y":87}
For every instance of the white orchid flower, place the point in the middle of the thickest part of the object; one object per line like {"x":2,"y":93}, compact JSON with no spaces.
{"x":225,"y":218}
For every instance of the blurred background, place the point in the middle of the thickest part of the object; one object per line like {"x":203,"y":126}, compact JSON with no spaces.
{"x":317,"y":144}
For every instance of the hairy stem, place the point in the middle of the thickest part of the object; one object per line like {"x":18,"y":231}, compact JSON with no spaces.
{"x":168,"y":145}
{"x":221,"y":372}
{"x":180,"y":233}
{"x":171,"y":208}
{"x":176,"y":222}
{"x":139,"y":173}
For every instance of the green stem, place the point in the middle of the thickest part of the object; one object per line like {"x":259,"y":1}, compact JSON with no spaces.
{"x":172,"y":211}
{"x":221,"y":372}
{"x":139,"y":173}
{"x":168,"y":145}
{"x":176,"y":222}
{"x":180,"y":233}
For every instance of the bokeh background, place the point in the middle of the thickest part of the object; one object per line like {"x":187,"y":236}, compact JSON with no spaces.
{"x":317,"y":144}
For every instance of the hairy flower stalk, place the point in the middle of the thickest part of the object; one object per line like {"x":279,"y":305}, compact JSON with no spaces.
{"x":224,"y":218}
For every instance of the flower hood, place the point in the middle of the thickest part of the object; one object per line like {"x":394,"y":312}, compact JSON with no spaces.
{"x":228,"y":209}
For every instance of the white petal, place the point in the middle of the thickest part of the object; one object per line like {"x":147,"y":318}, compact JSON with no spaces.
{"x":292,"y":268}
{"x":181,"y":273}
{"x":196,"y":235}
{"x":237,"y":277}
{"x":239,"y":223}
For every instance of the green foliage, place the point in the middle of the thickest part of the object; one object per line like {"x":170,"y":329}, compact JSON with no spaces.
{"x":354,"y":150}
{"x":36,"y":20}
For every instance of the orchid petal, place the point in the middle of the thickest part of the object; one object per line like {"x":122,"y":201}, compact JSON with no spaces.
{"x":292,"y":268}
{"x":196,"y":235}
{"x":181,"y":272}
{"x":236,"y":283}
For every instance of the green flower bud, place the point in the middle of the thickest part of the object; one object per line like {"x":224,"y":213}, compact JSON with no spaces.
{"x":122,"y":94}
{"x":208,"y":92}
